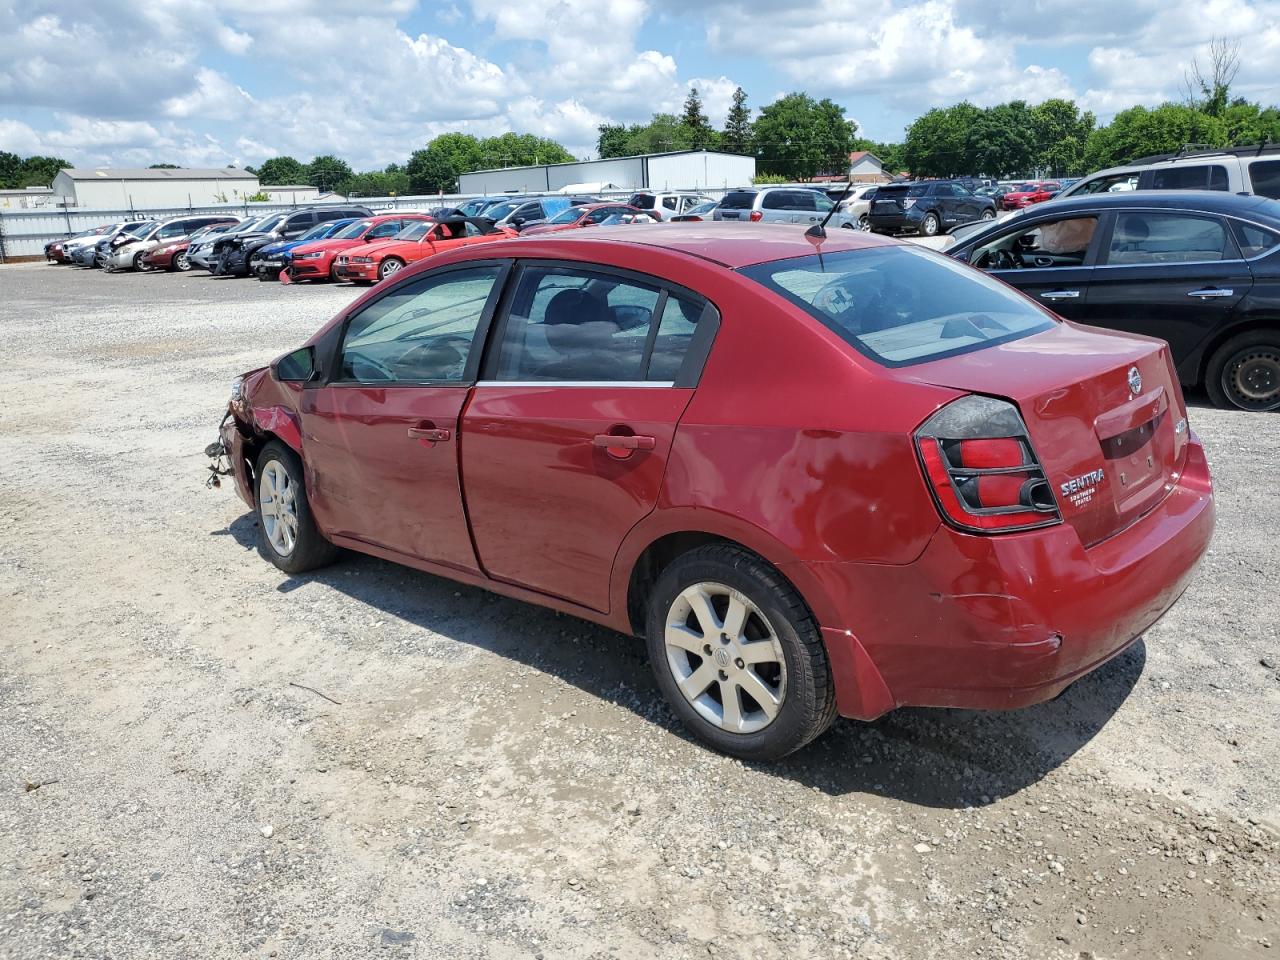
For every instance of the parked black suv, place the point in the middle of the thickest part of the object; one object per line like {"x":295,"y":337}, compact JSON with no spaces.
{"x":233,"y":255}
{"x":927,"y":207}
{"x":1199,"y":269}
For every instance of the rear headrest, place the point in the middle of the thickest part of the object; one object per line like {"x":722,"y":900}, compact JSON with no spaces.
{"x":1132,"y":228}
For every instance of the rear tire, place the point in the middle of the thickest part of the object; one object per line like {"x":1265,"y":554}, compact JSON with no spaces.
{"x":930,"y":225}
{"x":988,"y":214}
{"x":1244,"y":372}
{"x":290,"y":538}
{"x":758,"y":691}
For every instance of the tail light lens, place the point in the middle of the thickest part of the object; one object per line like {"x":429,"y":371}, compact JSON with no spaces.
{"x":982,"y":470}
{"x":756,"y":216}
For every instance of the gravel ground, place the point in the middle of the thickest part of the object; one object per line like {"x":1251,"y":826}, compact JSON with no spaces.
{"x":471,"y":777}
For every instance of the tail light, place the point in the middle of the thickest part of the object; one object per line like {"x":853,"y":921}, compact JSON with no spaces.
{"x":982,"y":470}
{"x":756,"y":216}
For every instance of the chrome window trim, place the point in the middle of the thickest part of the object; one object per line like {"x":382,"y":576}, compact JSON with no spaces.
{"x":576,"y":383}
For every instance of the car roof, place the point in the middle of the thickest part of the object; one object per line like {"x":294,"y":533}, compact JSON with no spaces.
{"x":1204,"y":201}
{"x":730,"y":244}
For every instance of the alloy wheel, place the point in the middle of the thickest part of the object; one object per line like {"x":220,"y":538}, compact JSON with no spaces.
{"x":388,"y":267}
{"x":725,"y":657}
{"x":182,"y":262}
{"x":1252,"y":378}
{"x":279,"y":509}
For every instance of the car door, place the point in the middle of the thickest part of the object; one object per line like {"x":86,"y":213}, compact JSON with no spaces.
{"x":1175,"y":275}
{"x":566,"y":437}
{"x":967,"y":204}
{"x":1057,"y":273}
{"x":380,"y":438}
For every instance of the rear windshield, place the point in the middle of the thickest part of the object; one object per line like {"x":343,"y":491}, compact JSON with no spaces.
{"x":904,"y":190}
{"x":901,"y":305}
{"x":643,"y":201}
{"x":738,"y":200}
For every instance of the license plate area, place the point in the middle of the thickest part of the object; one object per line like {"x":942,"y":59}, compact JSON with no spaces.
{"x":1138,"y":461}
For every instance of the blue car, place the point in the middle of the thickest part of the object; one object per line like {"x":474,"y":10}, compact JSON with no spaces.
{"x":274,"y":257}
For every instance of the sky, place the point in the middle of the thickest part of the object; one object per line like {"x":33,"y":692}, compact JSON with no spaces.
{"x":202,"y":83}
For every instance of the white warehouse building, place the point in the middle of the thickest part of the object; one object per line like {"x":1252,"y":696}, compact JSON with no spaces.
{"x":108,"y":188}
{"x":678,"y":170}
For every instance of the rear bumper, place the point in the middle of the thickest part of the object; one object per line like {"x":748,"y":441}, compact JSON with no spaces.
{"x":892,"y":223}
{"x":1008,"y":621}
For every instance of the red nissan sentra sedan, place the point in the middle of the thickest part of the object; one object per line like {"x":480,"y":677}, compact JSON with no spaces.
{"x":819,"y":480}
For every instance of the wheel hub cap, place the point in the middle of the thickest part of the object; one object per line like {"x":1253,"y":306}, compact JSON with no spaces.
{"x":725,"y":657}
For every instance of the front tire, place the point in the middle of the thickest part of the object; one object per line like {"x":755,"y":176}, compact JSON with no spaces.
{"x":389,"y":266}
{"x":1245,"y":372}
{"x":290,"y":538}
{"x":180,"y":263}
{"x":737,"y":654}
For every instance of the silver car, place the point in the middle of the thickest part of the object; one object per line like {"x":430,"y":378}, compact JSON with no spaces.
{"x":128,"y":255}
{"x":798,"y":205}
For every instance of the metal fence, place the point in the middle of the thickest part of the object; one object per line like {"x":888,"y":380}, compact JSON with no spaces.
{"x":23,"y":233}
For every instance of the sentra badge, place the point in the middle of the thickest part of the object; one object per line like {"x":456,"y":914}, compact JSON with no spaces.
{"x":1079,"y":490}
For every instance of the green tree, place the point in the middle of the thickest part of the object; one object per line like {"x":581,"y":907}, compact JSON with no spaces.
{"x":1250,"y":123}
{"x":326,"y":172}
{"x":613,"y":139}
{"x":799,"y":137}
{"x":279,"y":171}
{"x":436,"y":169}
{"x":1137,"y":132}
{"x":1060,"y":132}
{"x":376,"y":183}
{"x":10,"y":168}
{"x":664,"y":132}
{"x":701,"y":136}
{"x":519,"y":150}
{"x":164,"y":166}
{"x":938,"y":143}
{"x":736,"y":137}
{"x":1000,"y":141}
{"x":40,"y":171}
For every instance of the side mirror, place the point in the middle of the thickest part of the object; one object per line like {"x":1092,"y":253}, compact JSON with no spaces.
{"x":296,"y":367}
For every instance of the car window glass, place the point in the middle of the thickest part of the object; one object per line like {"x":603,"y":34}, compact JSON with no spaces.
{"x":733,"y":200}
{"x":775,"y":200}
{"x":675,"y":333}
{"x":1254,"y":240}
{"x":1167,"y":238}
{"x":172,"y":230}
{"x":642,"y":200}
{"x":670,"y":202}
{"x":569,"y":324}
{"x":388,"y":229}
{"x":570,"y":216}
{"x":1055,"y":243}
{"x":423,"y":330}
{"x":1265,"y":177}
{"x":902,"y":304}
{"x":1211,"y":177}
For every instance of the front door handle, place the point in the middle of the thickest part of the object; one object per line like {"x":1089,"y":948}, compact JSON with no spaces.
{"x":1060,"y":295}
{"x":1210,"y":293}
{"x":430,"y":434}
{"x":617,"y":441}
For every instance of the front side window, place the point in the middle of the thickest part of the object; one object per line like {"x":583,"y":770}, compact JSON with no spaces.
{"x":385,"y":230}
{"x":1265,"y":177}
{"x":353,"y":231}
{"x":571,"y":324}
{"x":421,"y":331}
{"x":171,"y":230}
{"x":901,"y":305}
{"x":1146,"y":238}
{"x":1055,"y":243}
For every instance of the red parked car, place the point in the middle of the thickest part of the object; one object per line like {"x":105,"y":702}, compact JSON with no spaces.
{"x":818,"y":481}
{"x":318,"y":260}
{"x":1024,"y":195}
{"x":591,"y":215}
{"x":415,"y":242}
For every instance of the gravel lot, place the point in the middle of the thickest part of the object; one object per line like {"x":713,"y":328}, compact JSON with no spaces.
{"x":473,"y":777}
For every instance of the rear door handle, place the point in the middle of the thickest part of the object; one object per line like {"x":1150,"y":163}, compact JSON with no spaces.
{"x":1210,"y":293}
{"x":624,"y":442}
{"x":432,"y":434}
{"x":1060,"y":295}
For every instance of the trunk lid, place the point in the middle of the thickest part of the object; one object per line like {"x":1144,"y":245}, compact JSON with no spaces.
{"x":1111,"y":453}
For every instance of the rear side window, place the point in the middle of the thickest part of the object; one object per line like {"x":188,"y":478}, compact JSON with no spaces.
{"x":733,"y":200}
{"x":1145,"y":238}
{"x":1265,"y":177}
{"x":670,"y":202}
{"x":576,"y":325}
{"x":902,"y":305}
{"x":1210,"y":177}
{"x":1254,"y":240}
{"x":643,"y":201}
